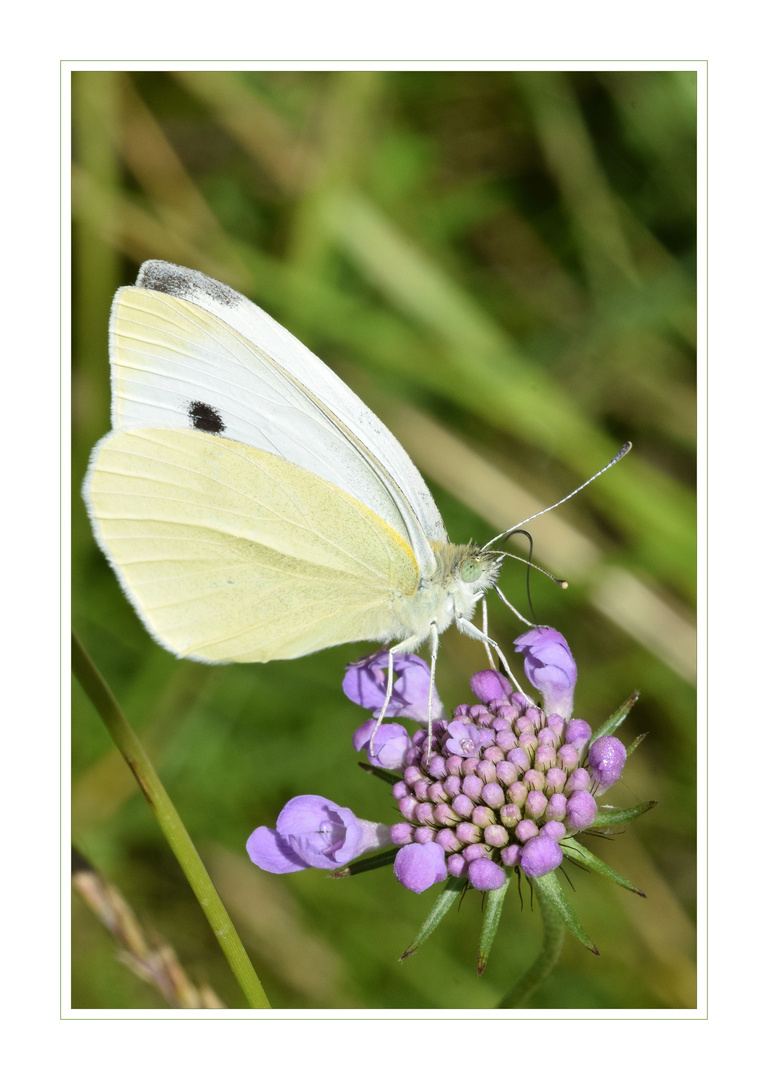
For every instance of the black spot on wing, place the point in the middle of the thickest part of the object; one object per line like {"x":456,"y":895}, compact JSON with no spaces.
{"x":205,"y":417}
{"x":175,"y":280}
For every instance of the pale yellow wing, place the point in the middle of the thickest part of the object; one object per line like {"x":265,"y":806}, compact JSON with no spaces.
{"x":230,"y":553}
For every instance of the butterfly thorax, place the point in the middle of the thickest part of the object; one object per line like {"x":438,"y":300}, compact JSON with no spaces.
{"x":463,"y":572}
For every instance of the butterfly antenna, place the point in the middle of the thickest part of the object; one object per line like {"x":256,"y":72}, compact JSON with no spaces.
{"x":522,"y":532}
{"x":509,"y":532}
{"x":512,"y":607}
{"x":560,"y":582}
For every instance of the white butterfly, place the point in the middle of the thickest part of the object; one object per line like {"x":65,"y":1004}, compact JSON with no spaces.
{"x":252,"y":507}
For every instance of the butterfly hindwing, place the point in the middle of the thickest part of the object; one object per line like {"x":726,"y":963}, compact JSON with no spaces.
{"x":230,"y":553}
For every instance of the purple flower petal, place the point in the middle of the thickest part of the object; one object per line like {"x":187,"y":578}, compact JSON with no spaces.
{"x":580,"y":811}
{"x":392,"y":744}
{"x":550,"y":667}
{"x":401,"y":833}
{"x":365,"y":683}
{"x":555,"y":830}
{"x":490,"y":686}
{"x":313,"y":831}
{"x":457,"y":865}
{"x":485,"y":875}
{"x":579,"y":780}
{"x":269,"y":851}
{"x":540,"y":856}
{"x":321,"y":832}
{"x":466,"y":740}
{"x":578,"y":733}
{"x":607,"y":757}
{"x":510,"y":856}
{"x":418,"y":866}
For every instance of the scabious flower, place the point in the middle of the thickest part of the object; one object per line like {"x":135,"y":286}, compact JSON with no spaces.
{"x":505,"y":782}
{"x":503,"y":786}
{"x":312,"y":831}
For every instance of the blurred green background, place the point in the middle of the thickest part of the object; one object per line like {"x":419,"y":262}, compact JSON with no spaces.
{"x":502,"y":265}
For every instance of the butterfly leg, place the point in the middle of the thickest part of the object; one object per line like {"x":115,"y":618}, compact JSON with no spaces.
{"x":387,"y":696}
{"x":473,"y":631}
{"x":434,"y":640}
{"x":404,"y":647}
{"x":489,"y":654}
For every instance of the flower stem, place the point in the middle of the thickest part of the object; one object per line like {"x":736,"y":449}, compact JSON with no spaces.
{"x":173,"y":829}
{"x":549,"y":954}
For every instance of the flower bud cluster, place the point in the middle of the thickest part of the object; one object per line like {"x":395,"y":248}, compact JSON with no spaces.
{"x":497,"y":787}
{"x":500,"y":786}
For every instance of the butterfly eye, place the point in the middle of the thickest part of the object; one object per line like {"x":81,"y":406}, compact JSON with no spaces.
{"x":471,"y":569}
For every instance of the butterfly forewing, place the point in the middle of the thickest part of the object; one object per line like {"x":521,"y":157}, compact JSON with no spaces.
{"x":211,"y":360}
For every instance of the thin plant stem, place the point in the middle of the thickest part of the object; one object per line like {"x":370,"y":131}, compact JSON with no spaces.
{"x":549,"y":954}
{"x":173,"y":829}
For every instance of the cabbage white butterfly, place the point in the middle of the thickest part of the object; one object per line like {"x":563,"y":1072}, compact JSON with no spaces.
{"x":251,"y":506}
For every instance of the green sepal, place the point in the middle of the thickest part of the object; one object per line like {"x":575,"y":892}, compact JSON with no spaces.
{"x":573,"y":849}
{"x":445,"y":901}
{"x":370,"y":862}
{"x":494,"y":901}
{"x":549,"y":891}
{"x":388,"y":777}
{"x":609,"y":815}
{"x":613,"y":721}
{"x":635,"y":743}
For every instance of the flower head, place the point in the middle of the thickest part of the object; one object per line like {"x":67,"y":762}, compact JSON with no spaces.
{"x":501,"y":786}
{"x":504,"y":783}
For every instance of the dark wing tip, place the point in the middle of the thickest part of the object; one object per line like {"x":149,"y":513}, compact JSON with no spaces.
{"x":187,"y":284}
